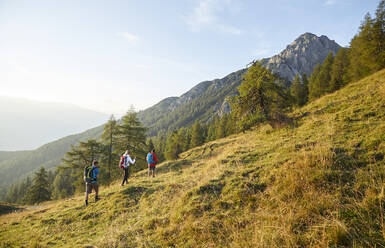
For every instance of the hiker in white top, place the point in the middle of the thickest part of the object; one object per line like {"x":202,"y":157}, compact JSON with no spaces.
{"x":126,"y":163}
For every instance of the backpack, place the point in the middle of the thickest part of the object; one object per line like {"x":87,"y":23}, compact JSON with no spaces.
{"x":88,"y":173}
{"x":150,"y":158}
{"x":122,"y":161}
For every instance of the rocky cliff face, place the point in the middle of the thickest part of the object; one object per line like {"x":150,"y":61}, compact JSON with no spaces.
{"x":301,"y":56}
{"x":208,"y":98}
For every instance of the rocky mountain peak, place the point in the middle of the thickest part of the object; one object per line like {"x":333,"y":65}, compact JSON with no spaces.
{"x":301,"y":56}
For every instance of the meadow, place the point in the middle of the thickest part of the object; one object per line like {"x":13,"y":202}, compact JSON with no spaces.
{"x":316,"y":183}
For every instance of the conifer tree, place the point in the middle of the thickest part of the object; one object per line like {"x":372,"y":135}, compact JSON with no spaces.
{"x":313,"y":87}
{"x":305,"y":83}
{"x":339,"y":73}
{"x":212,"y":129}
{"x":173,"y":147}
{"x":197,"y":137}
{"x":260,"y":97}
{"x":298,"y":91}
{"x":132,"y":134}
{"x":379,"y":37}
{"x":80,"y":156}
{"x":109,"y":139}
{"x":324,"y":76}
{"x":39,"y":191}
{"x":222,"y":125}
{"x":183,"y":139}
{"x":62,"y":184}
{"x":361,"y":59}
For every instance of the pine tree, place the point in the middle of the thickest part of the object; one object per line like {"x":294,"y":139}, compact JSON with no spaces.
{"x":12,"y":194}
{"x":321,"y":78}
{"x":378,"y":42}
{"x":62,"y":184}
{"x":305,"y":83}
{"x":298,"y":91}
{"x":39,"y":191}
{"x":324,"y":76}
{"x":339,"y":73}
{"x":212,"y":129}
{"x":314,"y":91}
{"x":183,"y":139}
{"x":132,"y":134}
{"x":173,"y":147}
{"x":109,"y":139}
{"x":222,"y":125}
{"x":197,"y":137}
{"x":260,"y":98}
{"x":361,"y":55}
{"x":80,"y":156}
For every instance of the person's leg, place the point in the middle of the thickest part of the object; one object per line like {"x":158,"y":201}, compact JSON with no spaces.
{"x":88,"y":188}
{"x":124,"y":176}
{"x":149,"y":170}
{"x":153,"y":172}
{"x":96,"y":188}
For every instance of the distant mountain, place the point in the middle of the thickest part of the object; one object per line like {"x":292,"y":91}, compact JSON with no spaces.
{"x":27,"y":124}
{"x":208,"y":98}
{"x":16,"y":165}
{"x":202,"y":102}
{"x":301,"y":56}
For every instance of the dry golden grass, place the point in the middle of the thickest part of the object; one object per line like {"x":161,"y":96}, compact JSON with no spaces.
{"x":318,"y":184}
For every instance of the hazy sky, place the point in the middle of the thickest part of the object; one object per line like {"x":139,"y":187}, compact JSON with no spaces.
{"x":107,"y":55}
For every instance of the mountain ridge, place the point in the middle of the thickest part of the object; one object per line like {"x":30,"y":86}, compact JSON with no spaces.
{"x":202,"y":102}
{"x":299,"y":57}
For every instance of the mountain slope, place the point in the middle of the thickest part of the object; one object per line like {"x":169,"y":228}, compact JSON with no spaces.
{"x":199,"y":103}
{"x":208,"y":98}
{"x":202,"y":102}
{"x":316,"y":184}
{"x":17,"y":165}
{"x":301,"y":56}
{"x":27,"y":124}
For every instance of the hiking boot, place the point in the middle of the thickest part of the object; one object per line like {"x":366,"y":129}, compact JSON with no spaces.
{"x":86,"y":203}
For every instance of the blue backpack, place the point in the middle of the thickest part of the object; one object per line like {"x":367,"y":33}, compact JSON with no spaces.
{"x":150,"y":158}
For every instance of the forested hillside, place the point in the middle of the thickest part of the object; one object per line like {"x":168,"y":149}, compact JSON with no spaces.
{"x":317,"y":183}
{"x":210,"y":98}
{"x":204,"y":103}
{"x":15,"y":166}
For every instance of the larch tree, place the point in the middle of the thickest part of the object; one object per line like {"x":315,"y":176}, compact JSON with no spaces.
{"x":39,"y":191}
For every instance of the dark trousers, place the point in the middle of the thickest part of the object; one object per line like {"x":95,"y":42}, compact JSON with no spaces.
{"x":125,"y":176}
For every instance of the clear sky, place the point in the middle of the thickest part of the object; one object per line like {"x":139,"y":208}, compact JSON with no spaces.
{"x":107,"y":55}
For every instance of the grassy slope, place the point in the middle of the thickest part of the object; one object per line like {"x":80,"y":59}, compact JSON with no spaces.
{"x":318,"y":184}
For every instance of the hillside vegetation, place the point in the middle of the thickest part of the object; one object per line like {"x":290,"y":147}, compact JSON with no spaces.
{"x":18,"y":165}
{"x":204,"y":102}
{"x":318,"y":183}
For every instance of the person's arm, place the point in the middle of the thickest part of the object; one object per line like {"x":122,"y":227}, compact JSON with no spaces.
{"x":129,"y":160}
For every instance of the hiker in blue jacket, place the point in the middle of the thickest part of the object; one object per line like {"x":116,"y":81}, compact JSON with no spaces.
{"x":91,"y":176}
